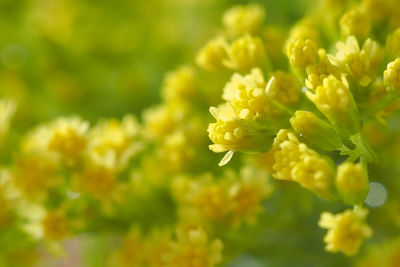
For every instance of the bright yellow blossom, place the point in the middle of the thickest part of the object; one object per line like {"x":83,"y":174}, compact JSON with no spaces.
{"x":360,"y":64}
{"x":346,"y":230}
{"x":352,"y":183}
{"x":179,"y":84}
{"x":355,"y":22}
{"x":193,"y":249}
{"x":334,"y":99}
{"x":302,"y":53}
{"x":240,"y":20}
{"x":245,"y":53}
{"x":212,"y":54}
{"x":283,"y":88}
{"x":392,"y":76}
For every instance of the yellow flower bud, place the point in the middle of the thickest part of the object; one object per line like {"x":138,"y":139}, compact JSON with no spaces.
{"x":235,"y":134}
{"x":317,"y":72}
{"x":245,"y":53}
{"x":283,"y":88}
{"x":315,"y":173}
{"x":346,"y":231}
{"x":248,"y":97}
{"x":334,"y":99}
{"x":355,"y":22}
{"x":392,"y":76}
{"x":315,"y":130}
{"x":302,"y":53}
{"x":211,"y":55}
{"x":393,"y":43}
{"x":352,"y":183}
{"x":239,"y":20}
{"x":362,"y":64}
{"x":179,"y":84}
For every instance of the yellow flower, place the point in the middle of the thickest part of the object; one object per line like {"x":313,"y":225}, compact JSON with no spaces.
{"x":288,"y":151}
{"x":239,"y":20}
{"x":355,"y":22}
{"x":315,"y":130}
{"x":346,"y":231}
{"x":193,"y":249}
{"x":362,"y":64}
{"x":377,"y":9}
{"x":179,"y":84}
{"x":235,"y":134}
{"x":35,"y":175}
{"x":175,"y":152}
{"x":392,"y":76}
{"x":131,"y":251}
{"x":352,"y":183}
{"x":294,"y":161}
{"x":97,"y":180}
{"x":55,"y":225}
{"x":306,"y":28}
{"x":317,"y":72}
{"x":302,"y":53}
{"x":246,"y":194}
{"x":248,"y":97}
{"x":334,"y":99}
{"x":115,"y":139}
{"x":393,"y":43}
{"x":211,"y":55}
{"x":283,"y":88}
{"x":162,"y":120}
{"x":64,"y":138}
{"x":315,"y":173}
{"x":245,"y":53}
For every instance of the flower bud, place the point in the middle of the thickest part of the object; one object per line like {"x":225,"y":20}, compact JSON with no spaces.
{"x":315,"y":131}
{"x":352,"y":183}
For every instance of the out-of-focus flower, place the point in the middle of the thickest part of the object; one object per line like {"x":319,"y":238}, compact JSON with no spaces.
{"x":346,"y":230}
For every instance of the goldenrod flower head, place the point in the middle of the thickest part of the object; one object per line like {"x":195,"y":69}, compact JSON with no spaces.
{"x":362,"y":64}
{"x":315,"y":173}
{"x":211,"y":199}
{"x":245,"y":53}
{"x":55,"y":225}
{"x":302,"y":52}
{"x":392,"y":76}
{"x":288,"y":151}
{"x":97,"y":180}
{"x":116,"y":139}
{"x":334,"y":99}
{"x":35,"y":174}
{"x":317,"y":72}
{"x":157,"y":246}
{"x":305,"y":29}
{"x":346,"y":231}
{"x":393,"y":43}
{"x":179,"y":84}
{"x":212,"y":54}
{"x":315,"y":130}
{"x":235,"y":134}
{"x":248,"y":97}
{"x":64,"y":138}
{"x":355,"y":22}
{"x":175,"y":151}
{"x":246,"y":194}
{"x":352,"y":183}
{"x":283,"y":88}
{"x":7,"y":110}
{"x":193,"y":249}
{"x":130,"y":252}
{"x":239,"y":20}
{"x":162,"y":120}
